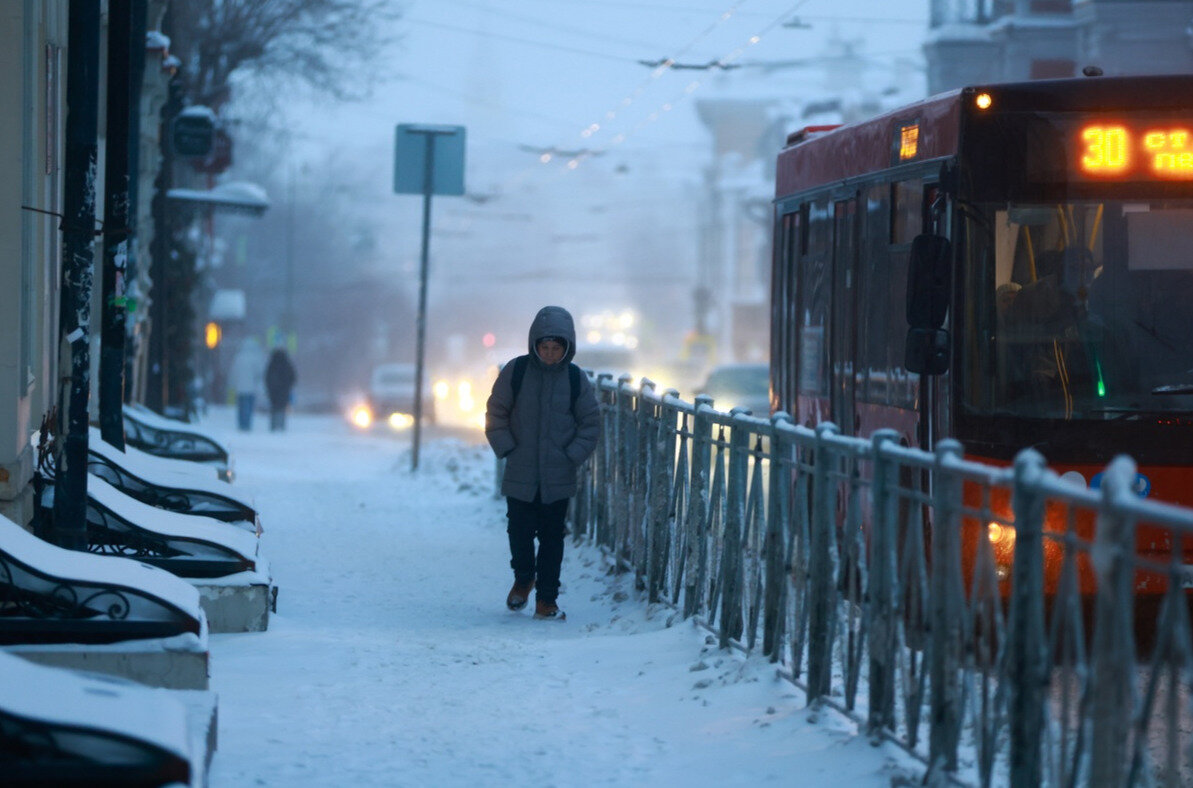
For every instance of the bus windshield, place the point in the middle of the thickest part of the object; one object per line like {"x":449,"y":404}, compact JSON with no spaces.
{"x":1079,"y":310}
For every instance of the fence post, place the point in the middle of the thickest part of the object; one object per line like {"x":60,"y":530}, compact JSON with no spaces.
{"x":639,"y":479}
{"x":697,"y":543}
{"x":658,"y":495}
{"x":946,"y":614}
{"x":775,"y":546}
{"x":735,"y":523}
{"x":1112,"y":658}
{"x":581,"y":512}
{"x":605,"y":459}
{"x":626,"y":448}
{"x":822,"y":567}
{"x":680,"y":500}
{"x":883,"y":608}
{"x":1027,"y":653}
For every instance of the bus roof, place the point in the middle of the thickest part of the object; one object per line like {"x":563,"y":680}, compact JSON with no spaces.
{"x":820,"y":157}
{"x":828,"y":155}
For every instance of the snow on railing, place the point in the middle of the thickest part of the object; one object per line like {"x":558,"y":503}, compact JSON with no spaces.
{"x":158,"y":435}
{"x":186,"y":544}
{"x":997,"y":622}
{"x":49,"y":594}
{"x":90,"y":729}
{"x":176,"y":485}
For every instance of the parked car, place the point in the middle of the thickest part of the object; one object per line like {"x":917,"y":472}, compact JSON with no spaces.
{"x":739,"y":385}
{"x":391,"y":390}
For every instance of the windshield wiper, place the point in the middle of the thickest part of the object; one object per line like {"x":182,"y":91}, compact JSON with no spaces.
{"x":1125,"y":414}
{"x":1173,"y":388}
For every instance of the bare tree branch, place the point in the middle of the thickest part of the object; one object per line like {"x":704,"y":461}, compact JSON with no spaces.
{"x":323,"y":43}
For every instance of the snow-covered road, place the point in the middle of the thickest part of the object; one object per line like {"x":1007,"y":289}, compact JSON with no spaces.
{"x":392,"y":660}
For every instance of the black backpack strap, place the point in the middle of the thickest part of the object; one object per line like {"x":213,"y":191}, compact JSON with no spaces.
{"x":574,"y":379}
{"x":519,"y":372}
{"x":574,"y":373}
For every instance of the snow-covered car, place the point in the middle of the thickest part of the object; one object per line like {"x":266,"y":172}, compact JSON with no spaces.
{"x":739,"y":386}
{"x":391,"y":390}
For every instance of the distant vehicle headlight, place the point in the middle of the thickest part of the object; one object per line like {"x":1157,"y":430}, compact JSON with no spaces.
{"x":401,"y":421}
{"x":464,"y":391}
{"x":361,"y":416}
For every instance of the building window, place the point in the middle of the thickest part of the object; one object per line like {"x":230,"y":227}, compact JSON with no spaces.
{"x":907,"y":212}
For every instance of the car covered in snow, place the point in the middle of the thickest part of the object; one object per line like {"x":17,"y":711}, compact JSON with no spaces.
{"x":745,"y":385}
{"x":391,"y":391}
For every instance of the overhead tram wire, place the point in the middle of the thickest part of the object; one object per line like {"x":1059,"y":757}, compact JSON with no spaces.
{"x":520,"y":40}
{"x":681,"y":9}
{"x":642,"y":86}
{"x":691,"y":87}
{"x":612,"y":113}
{"x":585,"y":33}
{"x":572,"y":164}
{"x":722,"y":18}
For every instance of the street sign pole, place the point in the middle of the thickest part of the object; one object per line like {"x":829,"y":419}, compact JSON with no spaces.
{"x":452,"y":183}
{"x":420,"y":365}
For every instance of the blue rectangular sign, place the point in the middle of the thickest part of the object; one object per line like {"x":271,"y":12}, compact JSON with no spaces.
{"x":412,"y":143}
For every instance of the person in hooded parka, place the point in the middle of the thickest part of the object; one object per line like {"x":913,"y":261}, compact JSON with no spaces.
{"x":543,"y":419}
{"x":280,"y":378}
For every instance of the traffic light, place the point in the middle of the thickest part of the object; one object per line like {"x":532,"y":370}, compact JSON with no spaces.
{"x":212,"y":335}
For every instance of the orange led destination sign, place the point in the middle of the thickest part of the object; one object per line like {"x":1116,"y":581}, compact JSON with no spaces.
{"x":1114,"y":150}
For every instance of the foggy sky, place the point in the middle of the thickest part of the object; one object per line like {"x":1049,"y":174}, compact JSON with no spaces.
{"x":621,"y":228}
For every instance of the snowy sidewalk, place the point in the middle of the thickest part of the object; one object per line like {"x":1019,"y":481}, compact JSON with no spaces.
{"x":392,"y":660}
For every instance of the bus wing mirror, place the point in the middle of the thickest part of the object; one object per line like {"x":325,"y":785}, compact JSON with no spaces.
{"x":928,"y":281}
{"x":927,"y":351}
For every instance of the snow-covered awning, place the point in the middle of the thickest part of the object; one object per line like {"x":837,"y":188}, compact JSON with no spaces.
{"x":238,"y":196}
{"x":156,"y":39}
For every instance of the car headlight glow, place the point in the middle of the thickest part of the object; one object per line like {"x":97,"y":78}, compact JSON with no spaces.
{"x":361,"y":416}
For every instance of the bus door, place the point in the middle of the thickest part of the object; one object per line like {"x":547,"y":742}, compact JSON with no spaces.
{"x":844,"y":316}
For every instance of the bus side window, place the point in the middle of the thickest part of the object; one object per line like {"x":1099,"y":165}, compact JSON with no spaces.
{"x":815,"y":290}
{"x":929,"y":285}
{"x":907,"y":211}
{"x":875,"y":385}
{"x":883,"y":279}
{"x":784,"y":285}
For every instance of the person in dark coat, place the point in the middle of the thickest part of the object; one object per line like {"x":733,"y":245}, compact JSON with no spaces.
{"x":279,"y":383}
{"x":544,"y":434}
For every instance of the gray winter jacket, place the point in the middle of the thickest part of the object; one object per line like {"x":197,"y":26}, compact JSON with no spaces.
{"x":543,"y":438}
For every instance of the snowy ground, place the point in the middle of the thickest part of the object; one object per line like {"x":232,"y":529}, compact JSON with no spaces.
{"x":392,"y":660}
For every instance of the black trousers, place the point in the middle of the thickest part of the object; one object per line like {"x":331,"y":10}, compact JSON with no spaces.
{"x":530,"y":520}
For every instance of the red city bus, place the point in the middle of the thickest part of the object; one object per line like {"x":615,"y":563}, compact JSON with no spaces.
{"x":1010,"y":265}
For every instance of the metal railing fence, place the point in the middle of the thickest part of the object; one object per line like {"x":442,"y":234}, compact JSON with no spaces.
{"x":946,"y":604}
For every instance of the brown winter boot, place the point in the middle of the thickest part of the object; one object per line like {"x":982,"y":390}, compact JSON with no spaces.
{"x":518,"y":595}
{"x":549,"y":611}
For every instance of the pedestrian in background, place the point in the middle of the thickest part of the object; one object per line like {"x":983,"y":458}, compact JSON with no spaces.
{"x":543,"y":419}
{"x":279,"y":385}
{"x":248,"y":367}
